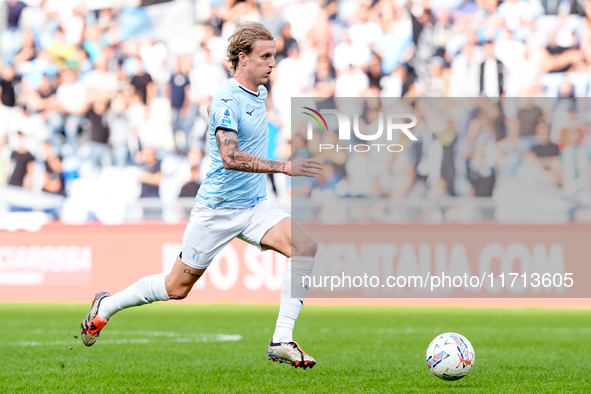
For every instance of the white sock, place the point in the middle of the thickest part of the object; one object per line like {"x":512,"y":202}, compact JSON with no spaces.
{"x":290,"y":307}
{"x":144,"y":291}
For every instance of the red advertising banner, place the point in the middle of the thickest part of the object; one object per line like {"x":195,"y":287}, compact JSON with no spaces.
{"x":465,"y":261}
{"x":62,"y":263}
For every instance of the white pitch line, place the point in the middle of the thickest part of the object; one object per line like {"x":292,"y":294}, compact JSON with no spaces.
{"x":176,"y":338}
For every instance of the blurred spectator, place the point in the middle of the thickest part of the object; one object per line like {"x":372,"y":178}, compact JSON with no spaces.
{"x":32,"y":72}
{"x":62,"y":51}
{"x":481,"y":174}
{"x":425,"y":40}
{"x":183,"y":113}
{"x":271,"y":18}
{"x":12,"y":37}
{"x":179,"y":83}
{"x":5,"y":115}
{"x":466,"y":72}
{"x":562,"y":53}
{"x":395,"y":43}
{"x":15,"y":10}
{"x":364,"y":31}
{"x":446,"y":136}
{"x":509,"y":150}
{"x":548,"y":155}
{"x":136,"y":116}
{"x":28,"y":50}
{"x":351,"y":82}
{"x":566,"y":93}
{"x":491,"y":73}
{"x":347,"y":54}
{"x":575,"y":161}
{"x":120,"y":133}
{"x":482,"y":155}
{"x":202,"y":90}
{"x":531,"y":172}
{"x":71,"y":102}
{"x":585,"y":32}
{"x":46,"y":89}
{"x":284,"y":42}
{"x":293,"y":79}
{"x":301,"y":16}
{"x":152,"y":176}
{"x":516,"y":12}
{"x":4,"y":159}
{"x":374,"y":72}
{"x":142,"y":82}
{"x":54,"y":177}
{"x":442,"y":32}
{"x":512,"y":54}
{"x":553,"y":7}
{"x":96,"y":127}
{"x":436,"y":82}
{"x":185,"y":122}
{"x":23,"y":163}
{"x":529,"y":116}
{"x":324,"y":80}
{"x":329,"y":177}
{"x":301,"y":186}
{"x":392,"y":85}
{"x":101,"y":84}
{"x":7,"y":83}
{"x":543,"y":147}
{"x":42,"y":157}
{"x":191,"y":188}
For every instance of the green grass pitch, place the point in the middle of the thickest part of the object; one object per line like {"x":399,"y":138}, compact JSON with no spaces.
{"x":180,"y":348}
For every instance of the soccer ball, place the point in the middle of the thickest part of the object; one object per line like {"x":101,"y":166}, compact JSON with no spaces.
{"x":450,"y":356}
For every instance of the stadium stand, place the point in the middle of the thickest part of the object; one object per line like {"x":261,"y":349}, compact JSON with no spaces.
{"x":87,"y":87}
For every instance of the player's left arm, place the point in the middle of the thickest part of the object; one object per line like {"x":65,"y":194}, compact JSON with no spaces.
{"x":237,"y":160}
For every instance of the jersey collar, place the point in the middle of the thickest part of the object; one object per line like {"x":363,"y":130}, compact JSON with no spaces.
{"x":234,"y":81}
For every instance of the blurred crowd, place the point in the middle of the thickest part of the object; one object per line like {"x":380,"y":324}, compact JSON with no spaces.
{"x":84,"y":99}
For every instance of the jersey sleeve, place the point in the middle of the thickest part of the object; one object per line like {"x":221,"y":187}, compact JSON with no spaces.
{"x":225,"y":115}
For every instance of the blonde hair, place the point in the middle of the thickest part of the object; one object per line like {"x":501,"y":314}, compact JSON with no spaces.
{"x":243,"y":41}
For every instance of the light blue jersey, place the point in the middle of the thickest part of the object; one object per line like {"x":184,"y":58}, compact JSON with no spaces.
{"x":239,"y":110}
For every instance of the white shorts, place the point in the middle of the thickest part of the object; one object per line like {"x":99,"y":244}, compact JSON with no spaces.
{"x":209,"y":230}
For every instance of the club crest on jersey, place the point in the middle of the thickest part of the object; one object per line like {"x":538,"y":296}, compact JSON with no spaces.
{"x":227,"y":117}
{"x":196,"y":254}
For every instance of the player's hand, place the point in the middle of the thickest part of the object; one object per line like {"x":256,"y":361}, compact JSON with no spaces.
{"x":304,"y":167}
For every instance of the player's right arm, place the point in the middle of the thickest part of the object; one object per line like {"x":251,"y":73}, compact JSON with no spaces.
{"x":237,"y":160}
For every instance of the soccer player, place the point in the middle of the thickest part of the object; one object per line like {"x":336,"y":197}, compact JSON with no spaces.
{"x":232,"y":201}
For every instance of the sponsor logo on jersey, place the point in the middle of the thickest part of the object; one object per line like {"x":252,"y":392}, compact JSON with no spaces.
{"x":251,"y":111}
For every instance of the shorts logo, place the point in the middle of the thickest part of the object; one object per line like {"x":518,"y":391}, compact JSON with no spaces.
{"x":227,"y":118}
{"x":196,"y":254}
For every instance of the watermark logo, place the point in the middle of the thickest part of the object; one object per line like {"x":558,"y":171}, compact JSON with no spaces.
{"x":317,"y":121}
{"x":393,"y":123}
